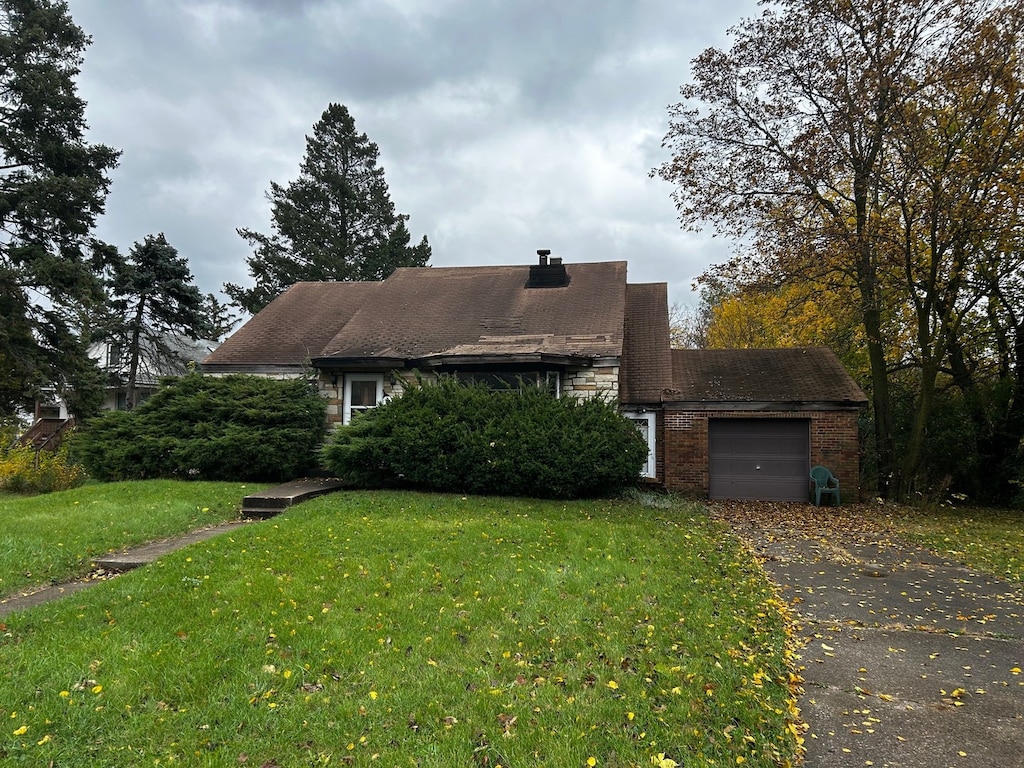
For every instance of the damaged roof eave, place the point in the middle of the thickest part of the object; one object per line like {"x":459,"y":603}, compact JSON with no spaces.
{"x":367,"y":362}
{"x":529,"y":358}
{"x":445,"y":360}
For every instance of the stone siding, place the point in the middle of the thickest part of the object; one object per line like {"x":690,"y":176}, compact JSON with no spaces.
{"x":598,"y":381}
{"x":331,"y":387}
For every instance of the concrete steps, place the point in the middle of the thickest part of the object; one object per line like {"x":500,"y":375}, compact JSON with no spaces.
{"x":275,"y":500}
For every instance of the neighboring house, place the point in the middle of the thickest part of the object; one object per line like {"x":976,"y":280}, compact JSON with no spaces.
{"x":52,"y":420}
{"x":580,"y":330}
{"x":172,"y":356}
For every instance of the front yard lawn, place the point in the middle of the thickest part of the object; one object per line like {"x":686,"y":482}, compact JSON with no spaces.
{"x":400,"y":629}
{"x":53,"y":537}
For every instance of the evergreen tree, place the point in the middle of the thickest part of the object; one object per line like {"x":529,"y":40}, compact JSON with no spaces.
{"x":335,"y":222}
{"x":220,"y":317}
{"x":53,"y":184}
{"x":154,"y":306}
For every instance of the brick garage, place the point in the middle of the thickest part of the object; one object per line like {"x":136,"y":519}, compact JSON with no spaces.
{"x":807,"y":388}
{"x":832,"y":442}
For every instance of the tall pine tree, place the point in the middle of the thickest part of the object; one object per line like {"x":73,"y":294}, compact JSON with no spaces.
{"x":336,"y":221}
{"x":155,"y":307}
{"x":53,"y":185}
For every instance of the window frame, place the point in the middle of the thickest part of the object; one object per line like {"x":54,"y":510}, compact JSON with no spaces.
{"x":650,"y":468}
{"x":546,"y":379}
{"x":348,"y":409}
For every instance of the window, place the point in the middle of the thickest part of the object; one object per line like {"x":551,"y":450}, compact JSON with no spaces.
{"x":363,"y":391}
{"x":114,"y":354}
{"x":504,"y":381}
{"x":646,"y":423}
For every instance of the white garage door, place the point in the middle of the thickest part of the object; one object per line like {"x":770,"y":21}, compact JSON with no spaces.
{"x":765,"y":459}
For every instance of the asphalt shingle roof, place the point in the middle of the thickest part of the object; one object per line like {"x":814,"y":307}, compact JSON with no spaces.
{"x":794,"y":375}
{"x":430,"y":311}
{"x":646,"y":367}
{"x":433,"y":312}
{"x":294,"y":327}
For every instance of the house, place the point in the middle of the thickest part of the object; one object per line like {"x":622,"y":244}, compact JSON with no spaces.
{"x":172,"y":356}
{"x":581,"y":330}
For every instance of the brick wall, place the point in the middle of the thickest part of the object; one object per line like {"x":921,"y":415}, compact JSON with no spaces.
{"x":833,"y":442}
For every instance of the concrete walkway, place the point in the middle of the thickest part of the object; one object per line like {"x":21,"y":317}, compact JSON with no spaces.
{"x":112,"y":564}
{"x":912,"y":660}
{"x":259,"y":505}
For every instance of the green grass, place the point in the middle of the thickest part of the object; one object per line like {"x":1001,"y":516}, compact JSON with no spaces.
{"x":990,"y":540}
{"x":392,"y":629}
{"x":52,"y":537}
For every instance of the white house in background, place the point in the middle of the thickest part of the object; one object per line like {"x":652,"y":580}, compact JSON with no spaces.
{"x":172,"y":358}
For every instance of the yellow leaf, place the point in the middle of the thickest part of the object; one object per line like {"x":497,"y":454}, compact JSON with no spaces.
{"x":21,"y":731}
{"x":613,"y":685}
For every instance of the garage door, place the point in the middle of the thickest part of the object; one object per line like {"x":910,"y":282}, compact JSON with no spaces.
{"x":767,"y":459}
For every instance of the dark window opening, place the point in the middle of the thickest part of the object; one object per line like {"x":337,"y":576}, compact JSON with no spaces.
{"x":511,"y":381}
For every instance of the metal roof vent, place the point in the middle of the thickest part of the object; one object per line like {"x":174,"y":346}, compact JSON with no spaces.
{"x":548,"y":272}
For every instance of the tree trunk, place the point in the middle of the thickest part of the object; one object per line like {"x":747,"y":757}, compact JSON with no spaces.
{"x":134,"y":349}
{"x":914,"y":453}
{"x":885,"y":447}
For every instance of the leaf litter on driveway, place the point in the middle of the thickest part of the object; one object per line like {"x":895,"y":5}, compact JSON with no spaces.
{"x":910,"y":658}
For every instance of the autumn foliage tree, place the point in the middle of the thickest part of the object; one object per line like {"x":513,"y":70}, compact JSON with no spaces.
{"x":871,"y":149}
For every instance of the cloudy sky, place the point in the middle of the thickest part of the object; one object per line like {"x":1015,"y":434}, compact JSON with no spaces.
{"x":504,"y":126}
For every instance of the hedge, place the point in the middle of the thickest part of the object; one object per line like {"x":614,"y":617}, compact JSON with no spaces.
{"x":461,"y":438}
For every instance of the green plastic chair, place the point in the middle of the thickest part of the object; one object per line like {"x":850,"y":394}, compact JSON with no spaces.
{"x":825,"y":483}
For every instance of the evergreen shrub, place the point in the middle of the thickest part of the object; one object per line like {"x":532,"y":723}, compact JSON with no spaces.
{"x":468,"y":439}
{"x":237,"y":427}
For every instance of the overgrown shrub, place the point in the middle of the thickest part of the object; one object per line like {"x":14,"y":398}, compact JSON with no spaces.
{"x":454,"y":437}
{"x":210,"y":428}
{"x":22,"y":470}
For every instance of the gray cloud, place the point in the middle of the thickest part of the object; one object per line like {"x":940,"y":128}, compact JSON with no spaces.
{"x":503,"y":126}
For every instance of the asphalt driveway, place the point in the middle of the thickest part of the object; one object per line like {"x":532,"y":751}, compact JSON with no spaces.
{"x":911,"y":661}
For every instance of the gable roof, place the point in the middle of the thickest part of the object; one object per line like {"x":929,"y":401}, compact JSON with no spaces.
{"x":645,"y":370}
{"x":796,"y":375}
{"x":433,"y":315}
{"x":436,"y":315}
{"x":294,"y":327}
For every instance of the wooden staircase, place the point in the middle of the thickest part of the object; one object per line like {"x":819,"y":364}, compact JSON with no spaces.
{"x":46,"y":434}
